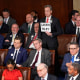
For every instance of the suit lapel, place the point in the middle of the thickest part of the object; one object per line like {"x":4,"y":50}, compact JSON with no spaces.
{"x":78,"y":78}
{"x":42,"y":56}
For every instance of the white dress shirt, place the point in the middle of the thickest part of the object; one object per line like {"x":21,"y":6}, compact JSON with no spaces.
{"x":74,"y":77}
{"x":6,"y":20}
{"x":45,"y":78}
{"x":77,"y":29}
{"x":30,"y":26}
{"x":39,"y":58}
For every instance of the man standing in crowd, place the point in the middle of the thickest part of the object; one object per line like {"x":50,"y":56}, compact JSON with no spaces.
{"x":28,"y":27}
{"x":70,"y":27}
{"x":9,"y":39}
{"x":7,"y":18}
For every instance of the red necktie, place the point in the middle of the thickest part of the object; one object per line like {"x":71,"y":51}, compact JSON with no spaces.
{"x":47,"y":20}
{"x":33,"y":65}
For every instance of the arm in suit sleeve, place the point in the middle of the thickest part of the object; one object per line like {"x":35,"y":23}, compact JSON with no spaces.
{"x":57,"y":28}
{"x":64,"y":67}
{"x":1,"y":42}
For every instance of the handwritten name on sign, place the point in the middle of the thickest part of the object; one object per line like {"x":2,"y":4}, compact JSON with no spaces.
{"x":45,"y":27}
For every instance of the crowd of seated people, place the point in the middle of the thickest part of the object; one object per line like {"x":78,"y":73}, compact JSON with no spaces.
{"x":40,"y":41}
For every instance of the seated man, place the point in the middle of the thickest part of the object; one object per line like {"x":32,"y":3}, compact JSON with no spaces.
{"x":69,"y":58}
{"x":1,"y":41}
{"x":74,"y":72}
{"x":37,"y":56}
{"x":9,"y":40}
{"x":28,"y":27}
{"x":33,"y":36}
{"x":7,"y":18}
{"x":42,"y":70}
{"x":18,"y":53}
{"x":4,"y":28}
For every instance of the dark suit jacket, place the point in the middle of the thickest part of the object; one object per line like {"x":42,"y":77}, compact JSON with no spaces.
{"x":9,"y":37}
{"x":45,"y":57}
{"x":1,"y":41}
{"x":55,"y":30}
{"x":69,"y":28}
{"x":22,"y":55}
{"x":50,"y":77}
{"x":24,"y":28}
{"x":67,"y":59}
{"x":78,"y":78}
{"x":4,"y":28}
{"x":30,"y":40}
{"x":10,"y":22}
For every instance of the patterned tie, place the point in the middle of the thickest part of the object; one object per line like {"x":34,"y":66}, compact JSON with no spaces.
{"x":47,"y":20}
{"x":28,"y":28}
{"x":72,"y":59}
{"x":13,"y":37}
{"x":33,"y":65}
{"x":15,"y":55}
{"x":72,"y":78}
{"x":5,"y":20}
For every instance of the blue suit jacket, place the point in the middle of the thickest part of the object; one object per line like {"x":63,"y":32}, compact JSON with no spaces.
{"x":1,"y":41}
{"x":22,"y":55}
{"x":67,"y":59}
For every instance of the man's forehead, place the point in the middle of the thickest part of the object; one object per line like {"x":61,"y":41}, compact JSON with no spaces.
{"x":40,"y":67}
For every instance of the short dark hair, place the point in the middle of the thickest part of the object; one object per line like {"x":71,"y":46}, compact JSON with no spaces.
{"x":74,"y":43}
{"x":5,"y":10}
{"x":48,"y":6}
{"x":18,"y":38}
{"x":76,"y":66}
{"x":73,"y":12}
{"x":34,"y":11}
{"x":11,"y":61}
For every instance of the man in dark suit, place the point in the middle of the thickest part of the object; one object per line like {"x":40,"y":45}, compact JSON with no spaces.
{"x":37,"y":56}
{"x":4,"y":28}
{"x":1,"y":41}
{"x":33,"y":36}
{"x":42,"y":70}
{"x":74,"y":72}
{"x":17,"y":53}
{"x":28,"y":27}
{"x":50,"y":38}
{"x":8,"y":19}
{"x":9,"y":39}
{"x":69,"y":58}
{"x":70,"y":27}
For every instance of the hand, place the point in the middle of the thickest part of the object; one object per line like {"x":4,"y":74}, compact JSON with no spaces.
{"x":6,"y":40}
{"x":48,"y":33}
{"x":18,"y":65}
{"x":68,"y":64}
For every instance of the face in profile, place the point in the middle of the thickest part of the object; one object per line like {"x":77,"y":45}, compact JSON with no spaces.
{"x":48,"y":12}
{"x":73,"y":49}
{"x":36,"y":27}
{"x":17,"y":44}
{"x":78,"y":21}
{"x":10,"y":67}
{"x":37,"y":44}
{"x":14,"y":29}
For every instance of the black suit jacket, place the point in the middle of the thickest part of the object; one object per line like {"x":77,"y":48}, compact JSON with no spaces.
{"x":45,"y":58}
{"x":30,"y":40}
{"x":9,"y":37}
{"x":10,"y":22}
{"x":78,"y":78}
{"x":4,"y":28}
{"x":50,"y":77}
{"x":24,"y":28}
{"x":55,"y":30}
{"x":70,"y":28}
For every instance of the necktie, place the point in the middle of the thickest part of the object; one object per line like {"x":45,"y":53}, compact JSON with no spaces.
{"x":72,"y":59}
{"x":13,"y":37}
{"x":15,"y":55}
{"x":33,"y":65}
{"x":5,"y":20}
{"x":78,"y":32}
{"x":47,"y":20}
{"x":74,"y":24}
{"x":29,"y":29}
{"x":42,"y":79}
{"x":72,"y":78}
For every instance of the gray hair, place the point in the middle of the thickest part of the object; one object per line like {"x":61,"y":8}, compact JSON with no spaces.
{"x":46,"y":66}
{"x":1,"y":18}
{"x":76,"y":66}
{"x":48,"y":6}
{"x":38,"y":40}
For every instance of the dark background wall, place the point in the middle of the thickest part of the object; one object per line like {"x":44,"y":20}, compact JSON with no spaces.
{"x":19,"y":8}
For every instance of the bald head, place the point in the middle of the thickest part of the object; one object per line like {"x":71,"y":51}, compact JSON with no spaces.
{"x":78,"y":21}
{"x":29,"y":18}
{"x":42,"y":70}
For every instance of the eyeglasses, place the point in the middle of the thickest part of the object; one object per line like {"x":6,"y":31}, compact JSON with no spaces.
{"x":72,"y":48}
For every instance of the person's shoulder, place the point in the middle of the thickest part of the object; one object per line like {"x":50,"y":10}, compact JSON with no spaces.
{"x":1,"y":36}
{"x":43,"y":49}
{"x":52,"y":77}
{"x":42,"y":19}
{"x":23,"y":49}
{"x":67,"y":54}
{"x":5,"y":70}
{"x":12,"y":19}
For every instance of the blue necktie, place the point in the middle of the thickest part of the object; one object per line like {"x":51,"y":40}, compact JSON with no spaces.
{"x":15,"y":55}
{"x":72,"y":59}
